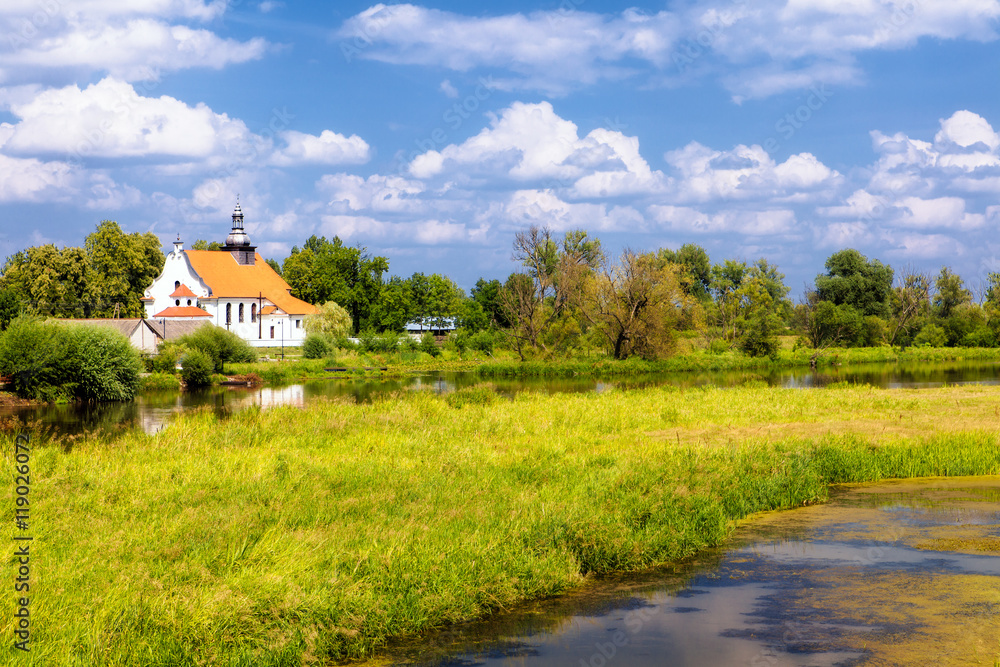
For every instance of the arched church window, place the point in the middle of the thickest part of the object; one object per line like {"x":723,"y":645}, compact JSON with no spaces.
{"x":229,"y":314}
{"x":241,"y":313}
{"x":253,"y":312}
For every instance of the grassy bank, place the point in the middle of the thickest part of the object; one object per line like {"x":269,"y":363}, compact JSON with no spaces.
{"x":732,"y":361}
{"x":287,"y":537}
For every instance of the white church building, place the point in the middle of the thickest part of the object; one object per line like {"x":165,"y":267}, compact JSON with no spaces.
{"x":233,"y":288}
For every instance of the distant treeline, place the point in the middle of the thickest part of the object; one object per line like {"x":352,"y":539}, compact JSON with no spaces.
{"x":567,"y":295}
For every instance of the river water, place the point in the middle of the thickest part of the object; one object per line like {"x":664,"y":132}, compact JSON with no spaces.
{"x":899,"y":573}
{"x":153,"y":411}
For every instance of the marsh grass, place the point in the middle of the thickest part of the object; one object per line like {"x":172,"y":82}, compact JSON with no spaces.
{"x":287,"y":537}
{"x":159,"y":382}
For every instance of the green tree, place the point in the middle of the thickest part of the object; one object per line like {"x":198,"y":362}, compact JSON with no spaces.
{"x":758,"y":324}
{"x":125,"y":265}
{"x":931,"y":335}
{"x":33,"y":356}
{"x":635,"y":304}
{"x":434,"y":299}
{"x":728,"y":302}
{"x":851,"y":279}
{"x":315,"y":347}
{"x":49,"y":281}
{"x":535,"y":301}
{"x":750,"y":305}
{"x":329,"y":271}
{"x":102,"y":364}
{"x":487,"y":294}
{"x":696,"y":269}
{"x":993,"y":288}
{"x":48,"y":361}
{"x":910,"y":307}
{"x":10,"y":306}
{"x":831,"y":324}
{"x":330,"y":321}
{"x":202,"y":244}
{"x":393,"y":309}
{"x":196,"y":368}
{"x":950,"y":293}
{"x":525,"y":311}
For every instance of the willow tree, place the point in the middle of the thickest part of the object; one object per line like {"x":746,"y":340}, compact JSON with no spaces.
{"x":637,"y":304}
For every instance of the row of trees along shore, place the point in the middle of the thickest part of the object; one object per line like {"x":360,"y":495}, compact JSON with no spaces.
{"x":567,"y":296}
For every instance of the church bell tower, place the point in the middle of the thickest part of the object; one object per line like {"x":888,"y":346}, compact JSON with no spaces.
{"x":238,"y":243}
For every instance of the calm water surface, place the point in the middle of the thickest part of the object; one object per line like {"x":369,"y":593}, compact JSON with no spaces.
{"x":901,"y":573}
{"x":153,"y":411}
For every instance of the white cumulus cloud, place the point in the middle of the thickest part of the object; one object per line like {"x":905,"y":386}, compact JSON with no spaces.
{"x":747,"y":172}
{"x":328,"y":148}
{"x":111,"y":119}
{"x":530,"y":142}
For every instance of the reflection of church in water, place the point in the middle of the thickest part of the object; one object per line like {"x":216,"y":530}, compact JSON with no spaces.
{"x":233,"y":288}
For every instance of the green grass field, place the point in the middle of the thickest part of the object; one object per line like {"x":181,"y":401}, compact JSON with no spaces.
{"x":288,"y":537}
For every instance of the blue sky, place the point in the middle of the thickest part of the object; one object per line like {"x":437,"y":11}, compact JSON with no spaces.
{"x":430,"y":133}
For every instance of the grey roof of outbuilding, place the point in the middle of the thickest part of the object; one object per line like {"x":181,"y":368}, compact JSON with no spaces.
{"x":172,"y":329}
{"x":124,"y":325}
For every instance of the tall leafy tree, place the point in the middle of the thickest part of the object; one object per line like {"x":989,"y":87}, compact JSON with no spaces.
{"x":852,"y":279}
{"x":695,"y":273}
{"x":950,"y":293}
{"x":487,"y":294}
{"x":53,"y":282}
{"x":434,"y":298}
{"x":727,"y":279}
{"x":330,"y":321}
{"x":10,"y":306}
{"x":125,"y":264}
{"x":327,"y":270}
{"x":910,"y":305}
{"x":394,"y":307}
{"x":750,"y":305}
{"x":202,"y":244}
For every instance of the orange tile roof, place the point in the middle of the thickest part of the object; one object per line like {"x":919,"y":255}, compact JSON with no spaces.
{"x":183,"y":290}
{"x":267,"y":310}
{"x":229,"y":279}
{"x":182,"y":311}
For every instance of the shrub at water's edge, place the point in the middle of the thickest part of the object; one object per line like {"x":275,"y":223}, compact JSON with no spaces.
{"x":196,"y":369}
{"x":221,"y":346}
{"x":50,"y":361}
{"x":286,"y":537}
